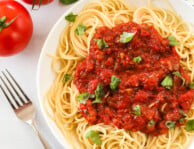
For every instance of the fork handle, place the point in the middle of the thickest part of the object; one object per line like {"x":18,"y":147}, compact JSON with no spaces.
{"x":43,"y":141}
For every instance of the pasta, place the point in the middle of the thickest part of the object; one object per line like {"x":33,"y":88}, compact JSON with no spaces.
{"x":61,"y":97}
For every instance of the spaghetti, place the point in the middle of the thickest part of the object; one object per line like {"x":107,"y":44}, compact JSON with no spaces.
{"x":62,"y":97}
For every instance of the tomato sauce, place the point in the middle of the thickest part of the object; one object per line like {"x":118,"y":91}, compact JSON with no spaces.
{"x":140,"y":102}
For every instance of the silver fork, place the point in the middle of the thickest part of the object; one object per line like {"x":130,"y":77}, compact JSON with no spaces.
{"x":19,"y":101}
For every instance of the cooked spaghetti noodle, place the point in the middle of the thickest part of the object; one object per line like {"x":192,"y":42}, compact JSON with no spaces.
{"x":61,"y":97}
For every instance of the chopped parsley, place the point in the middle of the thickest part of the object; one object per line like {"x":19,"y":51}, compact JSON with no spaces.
{"x":167,"y":82}
{"x":173,"y":41}
{"x":94,"y":135}
{"x":80,"y":29}
{"x":83,"y":97}
{"x":151,"y":123}
{"x":170,"y":124}
{"x":190,"y":125}
{"x":67,"y":77}
{"x":99,"y":93}
{"x":101,"y":43}
{"x":191,"y":85}
{"x":71,"y":17}
{"x":114,"y":83}
{"x":137,"y":110}
{"x":137,"y":59}
{"x":126,"y":37}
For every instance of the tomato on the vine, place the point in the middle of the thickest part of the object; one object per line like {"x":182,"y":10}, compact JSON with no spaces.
{"x":37,"y":2}
{"x":16,"y":27}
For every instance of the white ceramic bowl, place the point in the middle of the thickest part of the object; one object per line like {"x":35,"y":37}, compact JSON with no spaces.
{"x":45,"y":76}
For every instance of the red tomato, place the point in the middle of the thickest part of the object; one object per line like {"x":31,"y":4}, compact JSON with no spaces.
{"x":16,"y":36}
{"x":38,"y":1}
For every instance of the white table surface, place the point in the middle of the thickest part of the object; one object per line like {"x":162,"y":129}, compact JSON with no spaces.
{"x":15,"y":134}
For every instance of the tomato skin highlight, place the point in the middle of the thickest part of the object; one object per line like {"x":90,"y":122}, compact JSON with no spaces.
{"x":43,"y":2}
{"x":15,"y":37}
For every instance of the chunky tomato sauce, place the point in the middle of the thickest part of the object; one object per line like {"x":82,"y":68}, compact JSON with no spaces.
{"x":140,"y":101}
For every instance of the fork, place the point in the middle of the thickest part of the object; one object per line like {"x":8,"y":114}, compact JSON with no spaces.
{"x":19,"y":101}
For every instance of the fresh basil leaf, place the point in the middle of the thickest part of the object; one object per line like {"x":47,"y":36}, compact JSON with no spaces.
{"x":191,"y":85}
{"x":126,"y":37}
{"x":67,"y":2}
{"x":85,"y":111}
{"x":94,"y":135}
{"x":67,"y":77}
{"x":101,"y":43}
{"x":137,"y":59}
{"x":137,"y":110}
{"x":80,"y":29}
{"x":181,"y":120}
{"x":167,"y":82}
{"x":170,"y":124}
{"x":114,"y":83}
{"x":71,"y":17}
{"x":190,"y":125}
{"x":177,"y":73}
{"x":99,"y":93}
{"x":151,"y":123}
{"x":182,"y":112}
{"x":83,"y":97}
{"x":173,"y":41}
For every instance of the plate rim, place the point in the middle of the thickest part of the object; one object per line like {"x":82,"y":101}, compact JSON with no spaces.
{"x":47,"y":120}
{"x":41,"y":57}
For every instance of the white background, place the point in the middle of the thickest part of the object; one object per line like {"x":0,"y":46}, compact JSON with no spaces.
{"x":15,"y":134}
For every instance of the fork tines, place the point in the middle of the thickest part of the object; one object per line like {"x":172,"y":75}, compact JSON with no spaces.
{"x":12,"y":91}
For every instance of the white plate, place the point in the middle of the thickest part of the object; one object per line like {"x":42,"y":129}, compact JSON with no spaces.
{"x":45,"y":76}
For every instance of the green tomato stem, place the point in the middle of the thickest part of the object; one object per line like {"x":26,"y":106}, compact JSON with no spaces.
{"x":3,"y":23}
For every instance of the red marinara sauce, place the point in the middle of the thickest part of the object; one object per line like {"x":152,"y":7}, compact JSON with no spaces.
{"x":140,"y":102}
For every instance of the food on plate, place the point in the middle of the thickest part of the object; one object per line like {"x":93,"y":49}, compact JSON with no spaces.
{"x":125,"y":78}
{"x":134,"y":80}
{"x":16,"y":28}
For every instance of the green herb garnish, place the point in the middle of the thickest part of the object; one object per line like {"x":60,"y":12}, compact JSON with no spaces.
{"x":151,"y":123}
{"x":99,"y":93}
{"x":173,"y":41}
{"x":181,"y":120}
{"x":137,"y":59}
{"x":101,"y":43}
{"x":183,"y":113}
{"x":170,"y":124}
{"x":67,"y":77}
{"x":80,"y":29}
{"x":167,"y":82}
{"x":137,"y":110}
{"x":67,"y":2}
{"x":114,"y":83}
{"x":71,"y":17}
{"x":83,"y":97}
{"x":190,"y":125}
{"x":94,"y":135}
{"x":191,"y":85}
{"x":126,"y":37}
{"x":177,"y":73}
